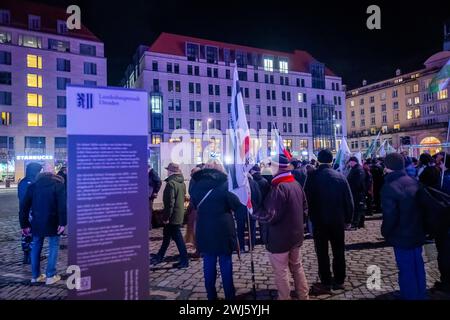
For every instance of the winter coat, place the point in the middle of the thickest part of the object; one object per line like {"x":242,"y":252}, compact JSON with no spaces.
{"x":215,"y":229}
{"x":283,"y":211}
{"x":263,"y":184}
{"x":378,"y":177}
{"x":330,"y":201}
{"x":154,"y":182}
{"x":431,"y":177}
{"x":403,"y":221}
{"x":357,"y":181}
{"x":46,"y":198}
{"x":300,"y":176}
{"x":173,"y":199}
{"x":32,"y":171}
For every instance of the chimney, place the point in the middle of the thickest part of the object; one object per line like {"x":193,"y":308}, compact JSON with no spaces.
{"x":398,"y":72}
{"x":364,"y":83}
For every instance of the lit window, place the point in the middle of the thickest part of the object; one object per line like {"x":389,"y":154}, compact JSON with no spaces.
{"x":300,"y":97}
{"x":416,"y":88}
{"x":396,"y":126}
{"x":156,"y":139}
{"x":352,"y":103}
{"x":283,"y":66}
{"x":34,"y":61}
{"x":156,"y":104}
{"x":442,"y":94}
{"x":409,"y":115}
{"x":6,"y":119}
{"x":416,"y":100}
{"x":34,"y":80}
{"x":417,"y":113}
{"x":268,"y":64}
{"x":34,"y":120}
{"x":34,"y":100}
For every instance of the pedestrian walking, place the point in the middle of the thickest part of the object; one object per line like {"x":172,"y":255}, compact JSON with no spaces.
{"x":356,"y":179}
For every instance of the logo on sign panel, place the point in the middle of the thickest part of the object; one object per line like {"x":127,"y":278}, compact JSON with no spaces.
{"x":84,"y":100}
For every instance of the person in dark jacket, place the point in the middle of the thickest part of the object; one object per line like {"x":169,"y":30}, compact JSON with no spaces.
{"x":330,"y":207}
{"x":283,"y":211}
{"x":356,"y":179}
{"x":403,"y":228}
{"x":63,"y":174}
{"x":369,"y":188}
{"x":215,"y":229}
{"x":33,"y":169}
{"x":378,"y":179}
{"x":429,"y":174}
{"x":154,"y":185}
{"x":264,"y":186}
{"x":173,"y":198}
{"x":46,"y":200}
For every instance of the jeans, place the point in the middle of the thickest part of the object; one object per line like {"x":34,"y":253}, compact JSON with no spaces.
{"x":284,"y":262}
{"x":411,"y":273}
{"x":242,"y":224}
{"x":210,"y":274}
{"x":172,"y":231}
{"x":36,"y":248}
{"x":336,"y":236}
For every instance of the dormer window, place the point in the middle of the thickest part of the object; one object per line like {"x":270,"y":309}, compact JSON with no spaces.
{"x":283,"y":65}
{"x":268,"y":64}
{"x":34,"y":22}
{"x":192,"y":51}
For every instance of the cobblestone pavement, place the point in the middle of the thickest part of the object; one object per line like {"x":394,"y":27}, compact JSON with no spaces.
{"x":364,"y":248}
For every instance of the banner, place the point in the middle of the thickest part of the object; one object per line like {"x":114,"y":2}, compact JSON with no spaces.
{"x":108,"y":212}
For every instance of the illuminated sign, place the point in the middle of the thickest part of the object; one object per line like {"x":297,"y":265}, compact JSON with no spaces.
{"x":41,"y":157}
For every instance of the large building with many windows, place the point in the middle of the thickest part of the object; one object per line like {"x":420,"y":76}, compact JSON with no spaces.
{"x":189,"y":81}
{"x":39,"y":56}
{"x":409,"y":116}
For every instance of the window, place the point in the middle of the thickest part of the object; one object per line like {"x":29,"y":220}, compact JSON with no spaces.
{"x":274,"y":111}
{"x":241,"y":60}
{"x":5,"y":57}
{"x":34,"y":22}
{"x":289,"y":112}
{"x":395,"y":105}
{"x":5,"y":37}
{"x":268,"y":94}
{"x":61,"y":102}
{"x":192,"y":124}
{"x":255,"y":77}
{"x":227,"y":74}
{"x":269,"y":110}
{"x":363,"y":122}
{"x":177,"y":105}
{"x":58,"y":45}
{"x":288,"y":96}
{"x":196,"y":70}
{"x":170,"y":104}
{"x":156,"y":103}
{"x":396,"y":117}
{"x":372,"y":109}
{"x":30,"y":41}
{"x":6,"y":118}
{"x":87,"y":50}
{"x":273,"y":95}
{"x":217,"y":107}
{"x":61,"y":121}
{"x":394,"y":94}
{"x":211,"y":107}
{"x":284,"y":111}
{"x":352,"y":103}
{"x":170,"y":85}
{"x":5,"y":17}
{"x":409,"y":102}
{"x":284,"y":127}
{"x":34,"y":100}
{"x":210,"y":89}
{"x":362,"y":112}
{"x":61,"y":26}
{"x":271,"y":79}
{"x":217,"y":90}
{"x":384,"y":118}
{"x":306,"y":128}
{"x":283,"y":66}
{"x":209,"y":72}
{"x":5,"y":98}
{"x":90,"y":83}
{"x":247,"y":109}
{"x":61,"y":83}
{"x":171,"y":123}
{"x":34,"y":80}
{"x":257,"y":94}
{"x":192,"y":51}
{"x":409,"y":114}
{"x":317,"y":71}
{"x":268,"y":64}
{"x":62,"y":65}
{"x":197,"y":88}
{"x":442,"y":94}
{"x":305,"y":113}
{"x":242,"y":75}
{"x":5,"y":78}
{"x":34,"y":120}
{"x":416,"y":100}
{"x":361,"y":101}
{"x":198,"y":106}
{"x":372,"y":121}
{"x":353,"y":123}
{"x":212,"y":55}
{"x":90,"y":68}
{"x":352,"y":113}
{"x":258,"y":125}
{"x":169,"y":67}
{"x":303,"y":83}
{"x":383,"y":108}
{"x":156,"y":139}
{"x":266,"y":78}
{"x":34,"y":61}
{"x":258,"y":110}
{"x":191,"y":87}
{"x":176,"y":68}
{"x":417,"y":113}
{"x":177,"y":86}
{"x":216,"y":73}
{"x":283,"y":95}
{"x":191,"y":106}
{"x":189,"y":69}
{"x":416,"y":88}
{"x":300,"y":97}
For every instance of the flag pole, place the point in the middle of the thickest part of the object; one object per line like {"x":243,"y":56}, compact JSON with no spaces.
{"x":445,"y":154}
{"x":252,"y":264}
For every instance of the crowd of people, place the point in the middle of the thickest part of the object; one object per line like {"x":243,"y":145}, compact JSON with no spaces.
{"x":287,"y":199}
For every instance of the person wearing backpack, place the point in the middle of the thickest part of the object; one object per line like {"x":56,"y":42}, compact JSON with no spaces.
{"x":403,"y":227}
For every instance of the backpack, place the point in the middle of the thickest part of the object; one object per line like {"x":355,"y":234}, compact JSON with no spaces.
{"x":436,"y":208}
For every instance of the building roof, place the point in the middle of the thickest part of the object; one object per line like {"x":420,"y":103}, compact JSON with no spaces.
{"x":168,"y":43}
{"x":20,"y":10}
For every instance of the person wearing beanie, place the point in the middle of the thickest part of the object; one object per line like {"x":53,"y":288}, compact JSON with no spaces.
{"x":330,"y":208}
{"x":356,"y":179}
{"x":283,"y":212}
{"x":32,"y":170}
{"x":402,"y":227}
{"x":429,"y":174}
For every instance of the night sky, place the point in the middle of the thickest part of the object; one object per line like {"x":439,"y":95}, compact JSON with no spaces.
{"x":334,"y":32}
